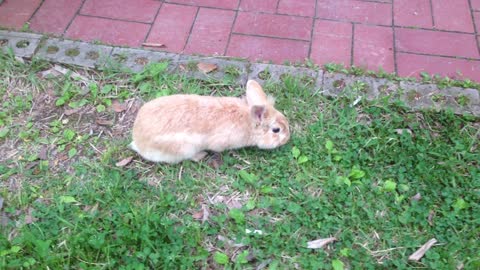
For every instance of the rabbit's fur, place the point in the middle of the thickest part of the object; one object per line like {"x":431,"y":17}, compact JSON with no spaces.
{"x":174,"y":128}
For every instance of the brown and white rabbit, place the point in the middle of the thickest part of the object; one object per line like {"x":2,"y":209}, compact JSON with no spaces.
{"x":179,"y":127}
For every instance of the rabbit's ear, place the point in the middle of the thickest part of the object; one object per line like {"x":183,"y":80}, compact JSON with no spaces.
{"x":255,"y":94}
{"x":259,"y":113}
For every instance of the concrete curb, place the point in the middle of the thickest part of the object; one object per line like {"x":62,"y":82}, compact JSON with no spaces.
{"x":415,"y":95}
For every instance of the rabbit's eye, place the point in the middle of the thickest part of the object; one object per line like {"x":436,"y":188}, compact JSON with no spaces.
{"x":276,"y":130}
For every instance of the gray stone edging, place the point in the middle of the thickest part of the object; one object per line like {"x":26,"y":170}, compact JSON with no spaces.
{"x":415,"y":95}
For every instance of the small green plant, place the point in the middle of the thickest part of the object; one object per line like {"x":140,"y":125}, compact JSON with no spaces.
{"x":264,"y":75}
{"x":232,"y":71}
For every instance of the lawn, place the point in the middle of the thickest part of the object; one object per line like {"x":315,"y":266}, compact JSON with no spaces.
{"x":379,"y":178}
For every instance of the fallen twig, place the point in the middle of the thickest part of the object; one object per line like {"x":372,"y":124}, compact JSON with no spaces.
{"x":155,"y":45}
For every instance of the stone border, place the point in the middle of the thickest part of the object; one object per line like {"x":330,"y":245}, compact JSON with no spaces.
{"x":415,"y":95}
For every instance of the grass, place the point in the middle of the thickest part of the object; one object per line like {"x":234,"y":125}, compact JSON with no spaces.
{"x":380,"y":178}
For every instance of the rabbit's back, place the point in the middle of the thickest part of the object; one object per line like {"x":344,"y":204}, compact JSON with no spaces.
{"x":182,"y":125}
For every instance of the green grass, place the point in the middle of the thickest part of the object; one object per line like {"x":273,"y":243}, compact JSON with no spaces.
{"x":348,"y":172}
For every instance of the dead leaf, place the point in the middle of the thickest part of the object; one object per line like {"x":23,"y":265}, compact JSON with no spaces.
{"x":4,"y":220}
{"x":416,"y":197}
{"x":74,"y":75}
{"x":31,"y":165}
{"x":263,"y":264}
{"x":43,"y":154}
{"x":206,"y":213}
{"x":198,"y":215}
{"x":124,"y":162}
{"x":118,"y":107}
{"x":90,"y":208}
{"x":69,"y":112}
{"x":203,"y":214}
{"x":431,"y":215}
{"x":156,"y":45}
{"x":215,"y":161}
{"x":229,"y":242}
{"x":29,"y":219}
{"x":62,"y":157}
{"x":48,"y":72}
{"x":400,"y":131}
{"x":417,"y":255}
{"x":104,"y":122}
{"x":206,"y":67}
{"x":182,"y":67}
{"x":319,"y":243}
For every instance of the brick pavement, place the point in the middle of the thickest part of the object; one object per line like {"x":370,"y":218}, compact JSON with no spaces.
{"x":403,"y":36}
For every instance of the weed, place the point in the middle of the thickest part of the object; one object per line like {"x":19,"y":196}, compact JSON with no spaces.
{"x":264,"y":75}
{"x":232,"y":71}
{"x":52,"y":49}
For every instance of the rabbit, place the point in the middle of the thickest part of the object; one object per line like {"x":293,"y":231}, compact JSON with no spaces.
{"x":174,"y":128}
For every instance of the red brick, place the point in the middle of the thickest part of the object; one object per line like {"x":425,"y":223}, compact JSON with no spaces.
{"x":132,"y":10}
{"x":264,"y":48}
{"x":259,"y":6}
{"x":297,"y":7}
{"x":476,"y":17}
{"x":210,"y":31}
{"x":476,"y":5}
{"x":225,"y":4}
{"x":373,"y":47}
{"x":452,"y":15}
{"x":332,"y":42}
{"x":413,"y":65}
{"x":15,"y":13}
{"x":435,"y":42}
{"x":355,"y":11}
{"x":55,"y":15}
{"x":416,"y":13}
{"x":172,"y":26}
{"x":109,"y":31}
{"x":273,"y":25}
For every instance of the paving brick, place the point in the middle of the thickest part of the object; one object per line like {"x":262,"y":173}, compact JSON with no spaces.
{"x":355,"y":11}
{"x":15,"y":13}
{"x":221,"y":73}
{"x":273,"y":25}
{"x":476,"y":5}
{"x":422,"y":96}
{"x":338,"y":84}
{"x":452,"y":15}
{"x":276,"y":73}
{"x":259,"y":6}
{"x":297,"y":7}
{"x":411,"y":65}
{"x":136,"y":59}
{"x":264,"y":48}
{"x":210,"y":31}
{"x":119,"y":32}
{"x":435,"y":42}
{"x":172,"y":26}
{"x":332,"y":42}
{"x":54,"y":15}
{"x":22,"y":44}
{"x":224,"y":4}
{"x":75,"y":53}
{"x":132,"y":10}
{"x":415,"y":13}
{"x":373,"y":47}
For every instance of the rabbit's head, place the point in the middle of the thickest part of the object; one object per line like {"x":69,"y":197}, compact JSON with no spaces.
{"x":270,"y":127}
